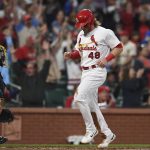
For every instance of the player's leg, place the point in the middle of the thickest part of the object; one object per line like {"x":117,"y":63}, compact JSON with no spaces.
{"x":98,"y":80}
{"x":81,"y":98}
{"x":110,"y":136}
{"x":91,"y":130}
{"x":101,"y":120}
{"x":86,"y":114}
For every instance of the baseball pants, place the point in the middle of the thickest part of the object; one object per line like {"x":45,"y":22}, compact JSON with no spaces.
{"x":86,"y":98}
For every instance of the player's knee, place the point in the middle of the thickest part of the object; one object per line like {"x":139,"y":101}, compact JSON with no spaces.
{"x":81,"y":104}
{"x":78,"y":103}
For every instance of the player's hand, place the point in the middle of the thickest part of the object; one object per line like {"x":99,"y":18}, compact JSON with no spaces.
{"x":140,"y":73}
{"x":67,"y":55}
{"x":45,"y":45}
{"x":102,"y":63}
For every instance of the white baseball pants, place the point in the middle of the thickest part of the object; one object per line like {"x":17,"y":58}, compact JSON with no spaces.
{"x":86,"y":98}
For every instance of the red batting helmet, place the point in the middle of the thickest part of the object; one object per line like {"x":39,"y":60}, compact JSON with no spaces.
{"x":83,"y":17}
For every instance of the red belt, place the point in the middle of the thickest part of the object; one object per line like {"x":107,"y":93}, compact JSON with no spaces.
{"x":90,"y":67}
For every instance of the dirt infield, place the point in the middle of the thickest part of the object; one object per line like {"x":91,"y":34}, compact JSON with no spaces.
{"x":73,"y":147}
{"x":69,"y":148}
{"x":25,"y":148}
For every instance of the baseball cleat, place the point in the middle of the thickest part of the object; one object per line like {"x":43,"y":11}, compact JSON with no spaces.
{"x":107,"y":141}
{"x":3,"y":140}
{"x":89,"y":136}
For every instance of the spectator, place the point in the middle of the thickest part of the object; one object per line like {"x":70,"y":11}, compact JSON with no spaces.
{"x":44,"y":33}
{"x":143,"y":26}
{"x":73,"y":73}
{"x":19,"y":10}
{"x":54,"y":72}
{"x":69,"y":6}
{"x":64,"y":45}
{"x":127,"y":14}
{"x":58,"y":23}
{"x":32,"y":82}
{"x":36,"y":16}
{"x":26,"y":52}
{"x":51,"y":8}
{"x":112,"y":82}
{"x":132,"y":87}
{"x":130,"y":49}
{"x":24,"y":30}
{"x":105,"y":98}
{"x":143,"y":57}
{"x":135,"y":38}
{"x":86,"y":4}
{"x":27,"y":31}
{"x":69,"y":102}
{"x":110,"y":16}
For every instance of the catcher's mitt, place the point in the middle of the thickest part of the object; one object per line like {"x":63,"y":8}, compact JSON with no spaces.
{"x":3,"y":140}
{"x":6,"y":116}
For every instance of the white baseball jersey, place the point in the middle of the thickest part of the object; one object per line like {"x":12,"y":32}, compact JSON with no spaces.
{"x":93,"y":47}
{"x":92,"y":51}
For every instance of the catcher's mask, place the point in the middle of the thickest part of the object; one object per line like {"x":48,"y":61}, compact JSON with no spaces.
{"x":84,"y":17}
{"x":2,"y":55}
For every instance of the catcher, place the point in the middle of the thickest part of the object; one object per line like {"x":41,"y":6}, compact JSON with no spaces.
{"x":5,"y":114}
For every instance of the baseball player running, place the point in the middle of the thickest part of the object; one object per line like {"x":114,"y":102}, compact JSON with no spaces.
{"x":93,"y":47}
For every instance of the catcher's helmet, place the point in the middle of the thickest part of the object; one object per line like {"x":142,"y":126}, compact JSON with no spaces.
{"x":2,"y":55}
{"x":84,"y":17}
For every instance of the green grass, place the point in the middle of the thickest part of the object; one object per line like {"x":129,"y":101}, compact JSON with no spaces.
{"x":72,"y":146}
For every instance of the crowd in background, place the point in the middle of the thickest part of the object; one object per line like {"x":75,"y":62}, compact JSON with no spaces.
{"x":36,"y":33}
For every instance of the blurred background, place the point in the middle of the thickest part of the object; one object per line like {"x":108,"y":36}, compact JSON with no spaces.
{"x":36,"y":33}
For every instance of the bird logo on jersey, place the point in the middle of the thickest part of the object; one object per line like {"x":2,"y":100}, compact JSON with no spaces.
{"x":86,"y":46}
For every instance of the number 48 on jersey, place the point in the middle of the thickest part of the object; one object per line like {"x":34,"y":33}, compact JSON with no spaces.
{"x":93,"y":55}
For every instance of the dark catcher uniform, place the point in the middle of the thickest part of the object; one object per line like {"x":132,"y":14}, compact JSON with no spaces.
{"x":5,"y":114}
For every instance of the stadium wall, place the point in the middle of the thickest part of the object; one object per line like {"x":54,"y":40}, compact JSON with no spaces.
{"x":53,"y":126}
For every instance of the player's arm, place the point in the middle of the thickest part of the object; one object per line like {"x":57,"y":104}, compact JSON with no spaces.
{"x":117,"y":47}
{"x":114,"y":53}
{"x":74,"y":54}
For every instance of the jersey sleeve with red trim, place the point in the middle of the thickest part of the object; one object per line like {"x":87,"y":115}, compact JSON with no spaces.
{"x":75,"y":54}
{"x":111,"y":39}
